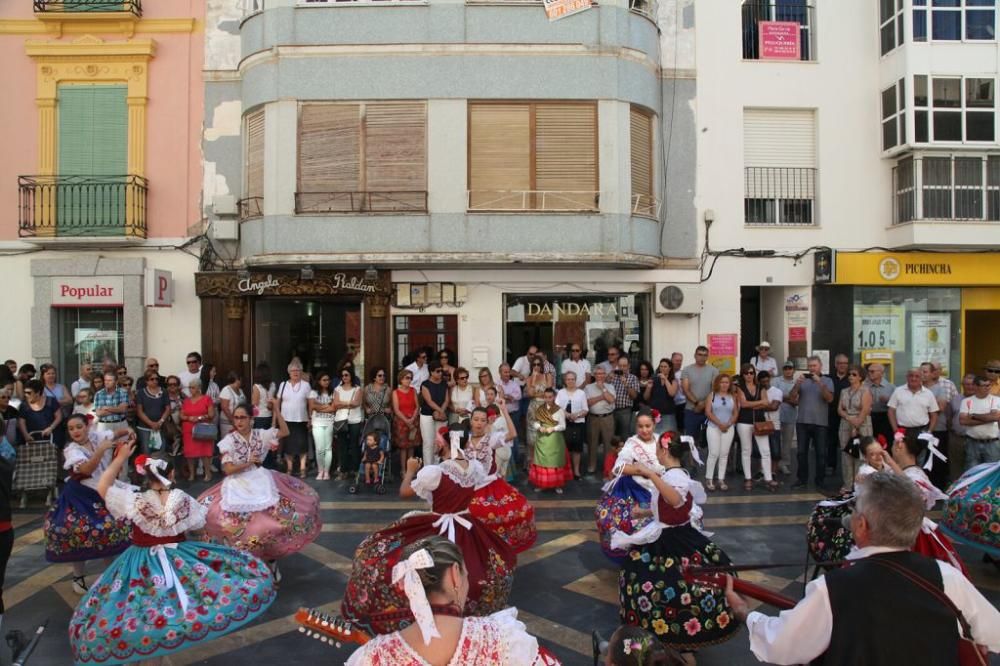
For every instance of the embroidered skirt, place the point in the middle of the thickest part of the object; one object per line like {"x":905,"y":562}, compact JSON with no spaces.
{"x":655,"y":596}
{"x":130,"y":614}
{"x":828,"y":535}
{"x":615,"y":512}
{"x":972,"y":512}
{"x":79,"y":527}
{"x":270,"y":534}
{"x":507,"y":513}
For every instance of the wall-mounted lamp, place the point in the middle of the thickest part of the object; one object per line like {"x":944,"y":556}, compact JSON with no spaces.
{"x":307,"y":272}
{"x":371,"y":273}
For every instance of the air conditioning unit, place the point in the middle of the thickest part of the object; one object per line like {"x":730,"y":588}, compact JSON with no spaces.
{"x":224,"y":230}
{"x":677,"y":299}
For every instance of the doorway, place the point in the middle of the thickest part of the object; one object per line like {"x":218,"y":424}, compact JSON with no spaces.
{"x":321,"y":333}
{"x":981,"y":328}
{"x":749,"y":322}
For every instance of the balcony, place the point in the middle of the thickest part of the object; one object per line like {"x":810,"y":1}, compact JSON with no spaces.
{"x":779,"y":196}
{"x":519,"y":201}
{"x":250,"y":207}
{"x":133,"y":7}
{"x":79,"y":207}
{"x":764,"y":38}
{"x":409,"y":201}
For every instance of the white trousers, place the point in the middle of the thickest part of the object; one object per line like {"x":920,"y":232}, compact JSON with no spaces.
{"x":747,"y":440}
{"x":428,"y":430}
{"x":719,"y":444}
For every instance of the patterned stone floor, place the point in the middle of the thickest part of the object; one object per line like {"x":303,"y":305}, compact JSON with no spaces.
{"x":563,"y":587}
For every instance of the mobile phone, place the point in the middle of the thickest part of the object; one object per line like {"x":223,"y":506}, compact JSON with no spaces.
{"x":808,"y":375}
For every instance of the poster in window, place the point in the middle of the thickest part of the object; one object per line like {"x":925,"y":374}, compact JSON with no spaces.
{"x":879,"y":327}
{"x":779,"y":40}
{"x":930,"y":335}
{"x":722,"y":351}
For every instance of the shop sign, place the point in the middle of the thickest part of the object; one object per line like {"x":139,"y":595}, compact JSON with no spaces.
{"x":796,"y":333}
{"x":288,"y":283}
{"x":554,"y":311}
{"x":159,"y":288}
{"x":879,"y":327}
{"x":930,"y":338}
{"x":796,"y":301}
{"x":779,"y":40}
{"x":85,"y":292}
{"x":917,"y":268}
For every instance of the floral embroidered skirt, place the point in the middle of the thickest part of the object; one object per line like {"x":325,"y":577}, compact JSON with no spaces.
{"x":129,"y":615}
{"x":972,"y":513}
{"x":828,"y":534}
{"x":507,"y":513}
{"x":655,"y":596}
{"x":379,"y":607}
{"x":270,"y":534}
{"x":79,"y":527}
{"x":615,"y":510}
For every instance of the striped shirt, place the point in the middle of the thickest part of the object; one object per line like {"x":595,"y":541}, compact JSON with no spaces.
{"x":105,"y":399}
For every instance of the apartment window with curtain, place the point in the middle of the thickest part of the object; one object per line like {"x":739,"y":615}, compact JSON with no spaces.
{"x":533,"y":156}
{"x":779,"y":154}
{"x":894,"y":115}
{"x":252,"y":203}
{"x":362,"y":158}
{"x":641,"y":163}
{"x":954,"y":109}
{"x":954,"y":20}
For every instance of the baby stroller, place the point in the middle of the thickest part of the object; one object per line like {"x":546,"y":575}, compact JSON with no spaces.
{"x":382,"y":473}
{"x":37,"y":467}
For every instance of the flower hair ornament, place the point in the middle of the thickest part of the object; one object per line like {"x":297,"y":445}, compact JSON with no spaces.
{"x":932,"y":450}
{"x":144,"y":464}
{"x":689,"y":440}
{"x":406,"y":571}
{"x":899,"y":435}
{"x":882,"y":441}
{"x":655,"y":413}
{"x":636,"y":647}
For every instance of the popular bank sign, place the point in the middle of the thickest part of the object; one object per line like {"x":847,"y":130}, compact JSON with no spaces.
{"x":87,"y":292}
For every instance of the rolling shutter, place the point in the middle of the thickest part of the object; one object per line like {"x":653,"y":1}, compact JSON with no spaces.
{"x":566,"y":156}
{"x":779,"y":151}
{"x":499,"y":155}
{"x":641,"y":165}
{"x":255,"y":154}
{"x":396,"y":155}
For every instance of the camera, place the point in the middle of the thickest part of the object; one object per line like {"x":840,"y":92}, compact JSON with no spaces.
{"x":808,"y":375}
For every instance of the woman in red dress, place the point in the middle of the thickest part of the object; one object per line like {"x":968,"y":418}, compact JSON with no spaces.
{"x":198,"y":408}
{"x":497,"y":504}
{"x":406,"y":418}
{"x":375,"y":603}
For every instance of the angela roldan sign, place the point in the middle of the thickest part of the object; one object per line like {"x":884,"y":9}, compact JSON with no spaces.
{"x":339,"y":281}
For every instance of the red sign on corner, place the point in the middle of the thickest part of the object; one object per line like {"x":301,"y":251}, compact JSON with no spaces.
{"x":779,"y":40}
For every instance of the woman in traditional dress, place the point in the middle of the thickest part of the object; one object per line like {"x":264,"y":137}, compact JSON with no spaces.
{"x":406,"y":418}
{"x":435,"y":579}
{"x":79,"y":528}
{"x":550,"y":466}
{"x":653,"y":592}
{"x":372,"y":599}
{"x":163,"y":594}
{"x":972,"y":511}
{"x":624,"y":506}
{"x":497,"y":504}
{"x":264,"y":512}
{"x":534,"y":388}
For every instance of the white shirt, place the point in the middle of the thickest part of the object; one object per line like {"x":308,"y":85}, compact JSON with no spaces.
{"x":294,"y":401}
{"x":981,"y":406}
{"x":581,"y":368}
{"x":571,"y":404}
{"x":186,"y":377}
{"x":774,"y":394}
{"x":913,"y":409}
{"x":77,"y":385}
{"x":768,"y":364}
{"x":235,"y":399}
{"x":522,"y":366}
{"x":420,"y":375}
{"x":603,"y":406}
{"x":801,"y":634}
{"x":353,"y":414}
{"x":322,"y":418}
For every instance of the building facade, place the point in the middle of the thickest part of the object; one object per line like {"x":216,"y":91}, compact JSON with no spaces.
{"x":100,"y":180}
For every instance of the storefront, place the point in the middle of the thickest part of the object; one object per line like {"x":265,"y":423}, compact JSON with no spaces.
{"x":323,"y":317}
{"x":907,"y":308}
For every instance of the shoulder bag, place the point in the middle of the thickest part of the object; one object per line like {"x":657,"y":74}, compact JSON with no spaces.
{"x":761,"y":428}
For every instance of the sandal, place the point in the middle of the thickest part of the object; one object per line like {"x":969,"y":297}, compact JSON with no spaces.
{"x":80,"y":585}
{"x":772,"y":486}
{"x":748,"y":485}
{"x":723,"y":486}
{"x":709,"y":486}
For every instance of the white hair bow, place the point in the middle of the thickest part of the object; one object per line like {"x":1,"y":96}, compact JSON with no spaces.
{"x":406,"y":570}
{"x":153,"y":466}
{"x":455,"y":437}
{"x":689,"y":440}
{"x":932,"y":450}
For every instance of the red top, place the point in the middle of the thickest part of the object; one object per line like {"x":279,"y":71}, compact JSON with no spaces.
{"x":407,"y":401}
{"x":675,"y":517}
{"x":449,"y":497}
{"x":143,"y":540}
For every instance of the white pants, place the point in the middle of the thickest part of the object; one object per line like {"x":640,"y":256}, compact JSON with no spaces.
{"x":428,"y":429}
{"x":747,"y":438}
{"x":719,"y":444}
{"x":323,"y":438}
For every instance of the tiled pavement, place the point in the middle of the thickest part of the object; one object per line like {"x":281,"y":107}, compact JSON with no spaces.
{"x":563,"y":587}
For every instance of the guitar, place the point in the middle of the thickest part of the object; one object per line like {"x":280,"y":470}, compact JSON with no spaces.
{"x":327,"y":628}
{"x":716,"y":577}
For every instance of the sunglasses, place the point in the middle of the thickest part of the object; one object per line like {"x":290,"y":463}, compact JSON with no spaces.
{"x":190,"y":361}
{"x":345,"y":375}
{"x":993,"y":370}
{"x":984,"y":385}
{"x":463,"y":376}
{"x":576,"y":351}
{"x":153,"y":365}
{"x":749,"y":372}
{"x":853,"y":374}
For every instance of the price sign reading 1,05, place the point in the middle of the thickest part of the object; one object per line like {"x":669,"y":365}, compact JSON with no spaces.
{"x":878,"y":327}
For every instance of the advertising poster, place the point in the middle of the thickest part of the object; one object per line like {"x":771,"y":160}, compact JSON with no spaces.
{"x":722,"y":351}
{"x":879,"y":327}
{"x":930,"y":338}
{"x":557,"y":9}
{"x":779,"y":40}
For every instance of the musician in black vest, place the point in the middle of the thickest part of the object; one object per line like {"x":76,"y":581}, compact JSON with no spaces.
{"x":834,"y":624}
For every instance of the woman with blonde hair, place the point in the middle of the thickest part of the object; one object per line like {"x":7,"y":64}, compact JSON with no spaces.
{"x":722,"y":408}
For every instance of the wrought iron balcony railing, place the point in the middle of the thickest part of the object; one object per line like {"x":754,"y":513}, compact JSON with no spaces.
{"x":408,"y":201}
{"x":250,"y":207}
{"x":133,"y":7}
{"x":779,"y":195}
{"x":82,"y":206}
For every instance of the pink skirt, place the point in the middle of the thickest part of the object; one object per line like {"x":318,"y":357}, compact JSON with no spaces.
{"x":272,"y":533}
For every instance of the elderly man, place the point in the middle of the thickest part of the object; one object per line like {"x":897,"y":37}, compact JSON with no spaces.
{"x":881,"y":390}
{"x":944,"y":390}
{"x":86,"y":376}
{"x":611,"y":364}
{"x":812,"y":392}
{"x":190,"y":373}
{"x":154,"y":365}
{"x":913,"y":407}
{"x":980,"y":414}
{"x":600,"y":422}
{"x":577,"y":364}
{"x":834,"y":624}
{"x":787,"y":414}
{"x":763,"y":361}
{"x":626,"y":389}
{"x":956,"y":443}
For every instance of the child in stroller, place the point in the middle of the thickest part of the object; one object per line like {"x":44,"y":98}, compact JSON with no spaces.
{"x":373,"y":463}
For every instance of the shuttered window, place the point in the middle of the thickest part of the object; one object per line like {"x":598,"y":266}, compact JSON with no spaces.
{"x":533,"y":156}
{"x":362,"y":157}
{"x":253,"y":201}
{"x":779,"y":155}
{"x":641,"y":161}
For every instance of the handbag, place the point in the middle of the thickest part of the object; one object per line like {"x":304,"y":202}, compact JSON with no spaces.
{"x":205,"y":431}
{"x":761,"y":428}
{"x":968,"y":651}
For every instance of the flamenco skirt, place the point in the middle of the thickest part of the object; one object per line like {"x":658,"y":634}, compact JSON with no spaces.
{"x":615,"y":512}
{"x":272,"y":533}
{"x":79,"y":527}
{"x":972,"y":512}
{"x":377,"y":606}
{"x":655,"y":596}
{"x":130,"y":615}
{"x":933,"y":543}
{"x":827,"y":534}
{"x":505,"y":512}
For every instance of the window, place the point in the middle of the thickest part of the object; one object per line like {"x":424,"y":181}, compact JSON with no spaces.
{"x":641,"y":137}
{"x":757,"y":12}
{"x":894,"y":115}
{"x":890,"y":16}
{"x":954,"y":109}
{"x":533,"y":156}
{"x":779,"y":155}
{"x":88,"y":335}
{"x":414,"y":332}
{"x":356,"y":158}
{"x":253,"y":201}
{"x":947,"y":187}
{"x":954,"y":20}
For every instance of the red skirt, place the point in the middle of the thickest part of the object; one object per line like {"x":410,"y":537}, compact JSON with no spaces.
{"x":507,"y":513}
{"x":550,"y":477}
{"x":935,"y":544}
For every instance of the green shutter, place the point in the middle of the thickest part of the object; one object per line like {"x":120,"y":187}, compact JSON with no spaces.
{"x":93,"y":145}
